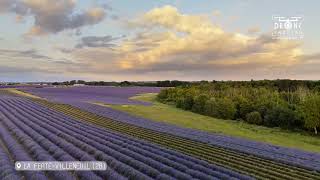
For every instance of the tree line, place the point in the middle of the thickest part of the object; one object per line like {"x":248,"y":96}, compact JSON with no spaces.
{"x":166,"y":83}
{"x":288,"y":104}
{"x":281,"y":84}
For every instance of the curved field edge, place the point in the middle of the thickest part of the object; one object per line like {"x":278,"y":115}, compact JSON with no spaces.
{"x":244,"y":163}
{"x":172,"y":115}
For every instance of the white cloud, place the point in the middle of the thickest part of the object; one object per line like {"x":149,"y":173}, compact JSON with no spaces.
{"x":193,"y":39}
{"x":53,"y":16}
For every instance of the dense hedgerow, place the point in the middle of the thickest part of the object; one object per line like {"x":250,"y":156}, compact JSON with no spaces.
{"x":297,"y":107}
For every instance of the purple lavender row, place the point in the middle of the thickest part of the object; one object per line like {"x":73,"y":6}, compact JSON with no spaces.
{"x":107,"y":148}
{"x":7,"y":170}
{"x":67,"y":146}
{"x":18,"y":153}
{"x":135,"y":151}
{"x":40,"y":148}
{"x":289,"y":156}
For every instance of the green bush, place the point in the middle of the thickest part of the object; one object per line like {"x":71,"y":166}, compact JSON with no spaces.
{"x":188,"y":102}
{"x":310,"y":110}
{"x":244,"y":106}
{"x":208,"y":107}
{"x":163,"y":95}
{"x":254,"y":118}
{"x":185,"y":103}
{"x":199,"y":103}
{"x":173,"y":94}
{"x":316,"y":89}
{"x":179,"y":102}
{"x":283,"y":117}
{"x":266,"y":101}
{"x":222,"y":108}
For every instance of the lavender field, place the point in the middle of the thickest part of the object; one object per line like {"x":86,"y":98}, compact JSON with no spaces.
{"x":32,"y":132}
{"x":65,"y":126}
{"x":108,"y":95}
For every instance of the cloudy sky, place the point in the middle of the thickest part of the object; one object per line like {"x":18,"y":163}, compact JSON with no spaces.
{"x":114,"y":40}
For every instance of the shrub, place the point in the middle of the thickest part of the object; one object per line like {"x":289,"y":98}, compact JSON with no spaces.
{"x":283,"y":117}
{"x":179,"y":103}
{"x":266,"y":102}
{"x":185,"y":103}
{"x":199,"y":103}
{"x":208,"y":107}
{"x":271,"y":118}
{"x":244,"y":106}
{"x":169,"y":95}
{"x":173,"y":93}
{"x":162,"y":96}
{"x":254,"y":118}
{"x":310,"y":109}
{"x":316,"y":89}
{"x":222,"y":108}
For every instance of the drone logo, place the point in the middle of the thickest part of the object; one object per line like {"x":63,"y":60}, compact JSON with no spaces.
{"x":287,"y":27}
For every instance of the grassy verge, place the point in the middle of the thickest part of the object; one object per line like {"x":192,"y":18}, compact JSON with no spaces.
{"x":170,"y":114}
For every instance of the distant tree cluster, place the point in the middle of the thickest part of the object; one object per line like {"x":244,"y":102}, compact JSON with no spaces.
{"x":286,"y":104}
{"x":68,"y":83}
{"x":166,"y":83}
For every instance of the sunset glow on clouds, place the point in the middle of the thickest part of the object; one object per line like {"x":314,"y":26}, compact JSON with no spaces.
{"x":65,"y":39}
